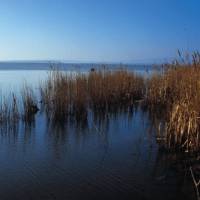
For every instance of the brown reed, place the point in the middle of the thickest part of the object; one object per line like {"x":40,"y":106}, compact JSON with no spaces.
{"x":110,"y":90}
{"x":54,"y":94}
{"x":29,"y":102}
{"x":177,"y":93}
{"x":174,"y":95}
{"x":66,"y":95}
{"x":9,"y":112}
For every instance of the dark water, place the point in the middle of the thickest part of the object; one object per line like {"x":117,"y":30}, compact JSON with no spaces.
{"x":116,"y":157}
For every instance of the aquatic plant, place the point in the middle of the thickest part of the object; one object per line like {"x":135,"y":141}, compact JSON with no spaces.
{"x":54,"y":95}
{"x":29,"y":102}
{"x":176,"y":93}
{"x":112,"y":90}
{"x":9,"y":112}
{"x":173,"y":97}
{"x":65,"y":95}
{"x":80,"y":97}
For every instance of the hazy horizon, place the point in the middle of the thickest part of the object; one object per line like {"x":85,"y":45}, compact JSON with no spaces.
{"x":137,"y":62}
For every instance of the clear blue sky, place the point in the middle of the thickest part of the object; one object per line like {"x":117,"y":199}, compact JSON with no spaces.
{"x":98,"y":30}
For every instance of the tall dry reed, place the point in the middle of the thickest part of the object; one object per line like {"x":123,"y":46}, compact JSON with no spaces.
{"x":29,"y":102}
{"x":177,"y":94}
{"x":114,"y":89}
{"x":65,"y":95}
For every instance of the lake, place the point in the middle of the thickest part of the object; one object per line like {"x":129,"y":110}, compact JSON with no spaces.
{"x":112,"y":157}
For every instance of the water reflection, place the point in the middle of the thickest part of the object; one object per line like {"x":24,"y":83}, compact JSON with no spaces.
{"x":9,"y":133}
{"x":171,"y":172}
{"x":112,"y":154}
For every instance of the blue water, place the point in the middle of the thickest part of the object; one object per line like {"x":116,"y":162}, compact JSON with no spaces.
{"x":70,"y":66}
{"x":116,"y":157}
{"x":13,"y":75}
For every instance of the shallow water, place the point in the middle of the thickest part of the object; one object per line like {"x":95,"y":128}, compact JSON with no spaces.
{"x":116,"y":157}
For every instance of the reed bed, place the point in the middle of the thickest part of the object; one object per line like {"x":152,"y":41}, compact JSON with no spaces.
{"x":55,"y":95}
{"x":79,"y":97}
{"x":29,"y":102}
{"x":67,"y":95}
{"x":176,"y":93}
{"x":9,"y":112}
{"x":110,"y":90}
{"x":173,"y":97}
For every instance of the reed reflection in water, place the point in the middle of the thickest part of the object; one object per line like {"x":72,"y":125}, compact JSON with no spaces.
{"x":112,"y":155}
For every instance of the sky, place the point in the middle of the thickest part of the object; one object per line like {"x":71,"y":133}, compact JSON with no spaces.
{"x":127,"y":31}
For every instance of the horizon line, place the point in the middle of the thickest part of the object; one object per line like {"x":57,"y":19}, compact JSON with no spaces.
{"x":137,"y":61}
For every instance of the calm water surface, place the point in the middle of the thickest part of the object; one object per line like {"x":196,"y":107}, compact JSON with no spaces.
{"x":116,"y":157}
